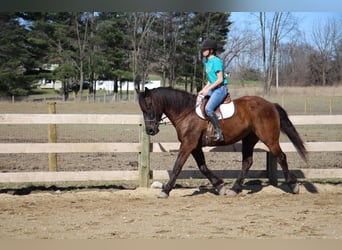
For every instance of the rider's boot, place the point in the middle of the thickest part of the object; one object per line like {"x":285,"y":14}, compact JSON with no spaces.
{"x":218,"y":136}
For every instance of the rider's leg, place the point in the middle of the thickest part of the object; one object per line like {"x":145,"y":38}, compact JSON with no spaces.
{"x":218,"y":136}
{"x":216,"y":98}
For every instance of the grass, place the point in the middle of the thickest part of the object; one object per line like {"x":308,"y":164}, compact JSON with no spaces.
{"x":39,"y":93}
{"x":296,"y":100}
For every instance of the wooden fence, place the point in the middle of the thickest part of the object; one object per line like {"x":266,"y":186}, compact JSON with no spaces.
{"x":144,"y":147}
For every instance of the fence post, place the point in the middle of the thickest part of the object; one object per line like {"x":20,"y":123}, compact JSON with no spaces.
{"x":52,"y":138}
{"x":271,"y":168}
{"x":144,"y":168}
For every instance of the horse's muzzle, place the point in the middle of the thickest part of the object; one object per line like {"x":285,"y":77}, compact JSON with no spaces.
{"x":152,"y":130}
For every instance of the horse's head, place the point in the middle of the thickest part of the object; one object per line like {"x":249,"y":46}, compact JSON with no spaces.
{"x":151,"y":111}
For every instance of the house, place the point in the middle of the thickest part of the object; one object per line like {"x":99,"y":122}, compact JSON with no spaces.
{"x":108,"y":85}
{"x":49,"y":83}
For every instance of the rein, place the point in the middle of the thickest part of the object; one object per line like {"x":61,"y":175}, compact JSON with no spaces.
{"x":175,"y":119}
{"x":162,"y":119}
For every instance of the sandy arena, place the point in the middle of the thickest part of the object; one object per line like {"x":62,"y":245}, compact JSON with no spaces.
{"x":260,"y":211}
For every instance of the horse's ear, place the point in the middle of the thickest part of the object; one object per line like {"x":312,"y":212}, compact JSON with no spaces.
{"x":147,"y":92}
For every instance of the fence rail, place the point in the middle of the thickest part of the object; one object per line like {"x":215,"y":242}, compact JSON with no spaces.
{"x":70,"y":119}
{"x":144,"y":147}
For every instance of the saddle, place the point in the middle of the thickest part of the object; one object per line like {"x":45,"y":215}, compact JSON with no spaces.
{"x":225,"y":110}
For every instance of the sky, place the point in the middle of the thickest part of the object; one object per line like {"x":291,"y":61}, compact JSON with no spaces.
{"x":306,"y":20}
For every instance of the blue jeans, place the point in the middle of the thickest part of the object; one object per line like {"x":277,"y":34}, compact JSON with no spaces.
{"x":216,"y":98}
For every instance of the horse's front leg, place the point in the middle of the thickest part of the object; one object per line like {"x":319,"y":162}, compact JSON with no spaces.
{"x":183,"y":154}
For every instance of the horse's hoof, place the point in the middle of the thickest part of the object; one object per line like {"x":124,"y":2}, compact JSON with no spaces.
{"x":222,"y":190}
{"x":294,"y":188}
{"x":231,"y":193}
{"x":163,"y":195}
{"x":157,"y":184}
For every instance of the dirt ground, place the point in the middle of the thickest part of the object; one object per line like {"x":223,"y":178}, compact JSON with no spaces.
{"x":260,"y":211}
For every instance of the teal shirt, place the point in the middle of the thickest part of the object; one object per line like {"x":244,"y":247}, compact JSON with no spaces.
{"x":212,"y":66}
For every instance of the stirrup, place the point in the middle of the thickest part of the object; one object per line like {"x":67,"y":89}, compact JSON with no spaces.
{"x":217,"y":137}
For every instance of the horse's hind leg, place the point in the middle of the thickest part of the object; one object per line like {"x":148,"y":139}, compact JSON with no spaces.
{"x":216,"y":181}
{"x":290,"y":179}
{"x":248,"y":144}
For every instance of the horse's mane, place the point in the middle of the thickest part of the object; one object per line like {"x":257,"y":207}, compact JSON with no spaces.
{"x":180,"y":100}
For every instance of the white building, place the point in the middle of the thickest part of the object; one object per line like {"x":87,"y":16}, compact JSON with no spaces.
{"x":49,"y":84}
{"x":108,"y":85}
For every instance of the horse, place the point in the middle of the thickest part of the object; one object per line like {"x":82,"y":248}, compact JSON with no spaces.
{"x":254,"y":119}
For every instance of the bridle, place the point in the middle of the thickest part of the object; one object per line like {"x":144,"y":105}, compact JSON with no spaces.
{"x":154,"y":120}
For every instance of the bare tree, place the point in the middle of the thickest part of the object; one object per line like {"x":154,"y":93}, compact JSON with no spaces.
{"x":237,"y":43}
{"x":280,"y":25}
{"x":294,"y":62}
{"x":82,"y":43}
{"x":326,"y":38}
{"x":140,"y":24}
{"x":170,"y":40}
{"x":241,"y":51}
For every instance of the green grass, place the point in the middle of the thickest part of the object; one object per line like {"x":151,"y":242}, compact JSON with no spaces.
{"x":38,"y":93}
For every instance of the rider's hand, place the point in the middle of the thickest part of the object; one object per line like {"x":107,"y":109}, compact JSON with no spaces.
{"x":204,"y":92}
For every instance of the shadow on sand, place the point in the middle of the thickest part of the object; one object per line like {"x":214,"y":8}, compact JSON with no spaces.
{"x":256,"y":186}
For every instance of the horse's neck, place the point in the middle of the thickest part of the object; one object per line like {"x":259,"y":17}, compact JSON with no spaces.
{"x":176,"y":117}
{"x":173,"y":113}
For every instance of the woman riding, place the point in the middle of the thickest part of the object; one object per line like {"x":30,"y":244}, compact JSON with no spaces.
{"x":216,"y":87}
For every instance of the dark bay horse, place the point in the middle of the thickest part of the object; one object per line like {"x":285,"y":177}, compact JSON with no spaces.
{"x":254,"y":119}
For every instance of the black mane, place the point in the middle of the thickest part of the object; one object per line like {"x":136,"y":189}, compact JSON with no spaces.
{"x":180,"y":100}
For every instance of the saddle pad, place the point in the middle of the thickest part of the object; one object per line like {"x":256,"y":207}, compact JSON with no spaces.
{"x":227,"y":110}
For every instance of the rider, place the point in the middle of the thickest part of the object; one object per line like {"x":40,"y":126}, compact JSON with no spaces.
{"x":216,"y":87}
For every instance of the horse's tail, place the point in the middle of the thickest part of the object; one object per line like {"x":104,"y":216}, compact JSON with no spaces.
{"x":287,"y":127}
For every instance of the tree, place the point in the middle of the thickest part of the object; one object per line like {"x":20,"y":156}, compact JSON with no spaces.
{"x":178,"y":40}
{"x":139,"y":27}
{"x":56,"y":31}
{"x":168,"y":25}
{"x":326,"y":38}
{"x":111,"y":55}
{"x":89,"y":45}
{"x":241,"y":53}
{"x":281,"y":23}
{"x":294,"y":63}
{"x":81,"y":30}
{"x":20,"y":53}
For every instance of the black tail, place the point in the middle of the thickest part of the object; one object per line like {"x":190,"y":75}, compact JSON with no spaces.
{"x":289,"y":129}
